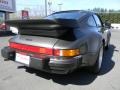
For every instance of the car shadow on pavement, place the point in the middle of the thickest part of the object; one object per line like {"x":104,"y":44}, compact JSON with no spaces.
{"x":108,"y":63}
{"x":79,"y":77}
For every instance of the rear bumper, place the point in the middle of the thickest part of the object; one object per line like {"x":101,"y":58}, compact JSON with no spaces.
{"x":57,"y":65}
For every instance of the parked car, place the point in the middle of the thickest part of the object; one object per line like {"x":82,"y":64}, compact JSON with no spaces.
{"x":59,"y":43}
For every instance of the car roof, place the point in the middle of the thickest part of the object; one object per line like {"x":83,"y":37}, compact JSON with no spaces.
{"x":77,"y":11}
{"x":82,"y":14}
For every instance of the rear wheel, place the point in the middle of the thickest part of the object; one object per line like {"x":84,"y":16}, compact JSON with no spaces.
{"x":97,"y":66}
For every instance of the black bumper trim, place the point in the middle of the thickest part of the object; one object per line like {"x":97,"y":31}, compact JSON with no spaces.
{"x":56,"y":68}
{"x":8,"y":53}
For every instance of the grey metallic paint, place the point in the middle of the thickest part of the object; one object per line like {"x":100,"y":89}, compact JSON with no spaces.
{"x":87,"y":35}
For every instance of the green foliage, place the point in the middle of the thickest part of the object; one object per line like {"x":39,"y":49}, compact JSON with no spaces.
{"x":111,"y":17}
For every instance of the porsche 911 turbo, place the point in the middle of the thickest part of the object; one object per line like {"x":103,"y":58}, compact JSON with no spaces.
{"x":59,"y":43}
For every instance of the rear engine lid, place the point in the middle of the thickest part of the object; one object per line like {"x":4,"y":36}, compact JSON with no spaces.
{"x":35,"y":41}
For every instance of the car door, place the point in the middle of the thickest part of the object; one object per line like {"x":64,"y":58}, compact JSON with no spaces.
{"x":101,"y":28}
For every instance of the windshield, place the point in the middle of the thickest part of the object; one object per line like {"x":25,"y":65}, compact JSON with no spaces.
{"x":66,"y":15}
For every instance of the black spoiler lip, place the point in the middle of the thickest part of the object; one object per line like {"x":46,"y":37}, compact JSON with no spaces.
{"x":70,"y":23}
{"x":30,"y":21}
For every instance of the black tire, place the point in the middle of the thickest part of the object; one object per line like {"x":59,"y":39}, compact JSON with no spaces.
{"x":106,"y":47}
{"x":97,"y":66}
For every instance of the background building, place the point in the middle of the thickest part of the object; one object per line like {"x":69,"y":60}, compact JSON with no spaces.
{"x":6,"y":7}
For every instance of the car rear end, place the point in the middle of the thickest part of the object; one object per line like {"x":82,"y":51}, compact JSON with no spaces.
{"x":35,"y":46}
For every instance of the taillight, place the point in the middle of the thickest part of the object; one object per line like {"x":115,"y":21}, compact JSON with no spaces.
{"x":67,"y":53}
{"x":30,"y":48}
{"x":49,"y":51}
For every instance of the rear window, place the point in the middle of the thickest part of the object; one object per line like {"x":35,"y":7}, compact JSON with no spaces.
{"x":66,"y":15}
{"x":62,"y":34}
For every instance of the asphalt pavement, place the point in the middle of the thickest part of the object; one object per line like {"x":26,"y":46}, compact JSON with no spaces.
{"x":14,"y":76}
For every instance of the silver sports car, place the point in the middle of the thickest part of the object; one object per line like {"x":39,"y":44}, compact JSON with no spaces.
{"x":60,"y":43}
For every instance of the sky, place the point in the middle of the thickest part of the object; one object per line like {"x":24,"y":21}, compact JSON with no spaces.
{"x":69,"y":4}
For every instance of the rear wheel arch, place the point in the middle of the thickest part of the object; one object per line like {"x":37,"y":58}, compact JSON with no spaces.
{"x":98,"y":63}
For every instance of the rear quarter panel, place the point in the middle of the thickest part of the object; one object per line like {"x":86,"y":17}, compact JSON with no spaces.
{"x":88,"y":36}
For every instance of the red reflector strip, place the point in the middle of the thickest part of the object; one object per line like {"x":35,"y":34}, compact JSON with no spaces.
{"x":31,"y":48}
{"x":57,"y":52}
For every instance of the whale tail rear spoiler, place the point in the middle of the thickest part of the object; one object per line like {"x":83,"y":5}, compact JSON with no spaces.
{"x":43,"y":27}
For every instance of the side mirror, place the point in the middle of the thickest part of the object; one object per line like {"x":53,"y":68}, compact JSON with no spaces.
{"x":107,"y":24}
